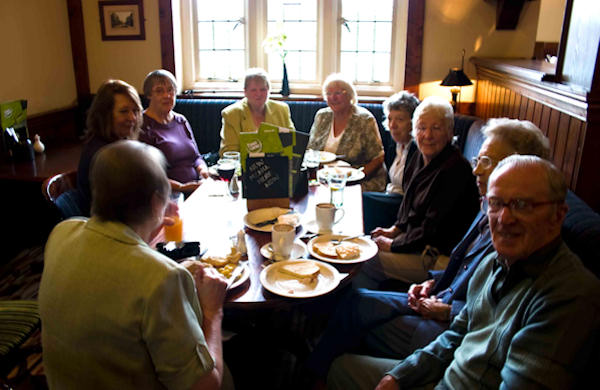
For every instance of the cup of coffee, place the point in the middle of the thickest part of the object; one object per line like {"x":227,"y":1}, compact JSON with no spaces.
{"x":325,"y":213}
{"x":282,"y":240}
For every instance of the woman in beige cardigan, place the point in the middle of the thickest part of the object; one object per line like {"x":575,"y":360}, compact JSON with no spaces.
{"x":344,"y":128}
{"x":251,"y":111}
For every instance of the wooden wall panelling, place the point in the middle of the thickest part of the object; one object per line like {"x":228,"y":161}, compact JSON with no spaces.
{"x":537,"y":114}
{"x":561,"y":143}
{"x":573,"y":137}
{"x":506,"y":102}
{"x":530,"y":108}
{"x":499,"y":100}
{"x":560,"y":112}
{"x":545,"y":119}
{"x":553,"y":129}
{"x":523,"y":107}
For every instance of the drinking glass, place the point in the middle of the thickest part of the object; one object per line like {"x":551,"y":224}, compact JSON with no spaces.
{"x":312,"y":158}
{"x":175,"y":232}
{"x":337,"y":183}
{"x":235,"y":157}
{"x":226,"y":168}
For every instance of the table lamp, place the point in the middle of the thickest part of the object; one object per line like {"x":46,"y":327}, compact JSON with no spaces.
{"x":456,"y":78}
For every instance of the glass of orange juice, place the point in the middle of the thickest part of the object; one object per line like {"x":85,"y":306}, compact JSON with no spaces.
{"x":175,"y":232}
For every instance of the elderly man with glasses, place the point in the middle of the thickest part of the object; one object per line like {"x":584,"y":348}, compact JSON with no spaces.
{"x":532,"y":309}
{"x":394,"y":324}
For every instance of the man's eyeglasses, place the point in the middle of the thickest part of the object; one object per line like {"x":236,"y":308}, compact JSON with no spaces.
{"x":516,"y":206}
{"x":485,"y":161}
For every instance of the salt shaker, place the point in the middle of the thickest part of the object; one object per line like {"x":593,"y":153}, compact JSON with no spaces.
{"x":38,"y":146}
{"x":241,"y":242}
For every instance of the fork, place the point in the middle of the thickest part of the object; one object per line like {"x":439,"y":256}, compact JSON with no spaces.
{"x":338,"y":241}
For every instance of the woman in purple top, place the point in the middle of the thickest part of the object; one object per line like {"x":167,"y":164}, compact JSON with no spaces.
{"x":171,"y":133}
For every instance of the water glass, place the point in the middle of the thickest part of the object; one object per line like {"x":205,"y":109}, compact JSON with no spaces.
{"x":337,"y":183}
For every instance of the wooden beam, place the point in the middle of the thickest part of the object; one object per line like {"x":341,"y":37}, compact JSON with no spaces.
{"x":167,"y":48}
{"x":78,"y":49}
{"x":414,"y":45}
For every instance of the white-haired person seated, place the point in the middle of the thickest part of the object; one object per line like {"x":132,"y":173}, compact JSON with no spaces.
{"x":344,"y":128}
{"x":117,"y":314}
{"x":380,"y":208}
{"x":439,"y":204}
{"x":255,"y":108}
{"x":532,"y":311}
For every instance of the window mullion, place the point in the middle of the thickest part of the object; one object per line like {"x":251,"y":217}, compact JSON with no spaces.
{"x":256,"y":31}
{"x":329,"y":14}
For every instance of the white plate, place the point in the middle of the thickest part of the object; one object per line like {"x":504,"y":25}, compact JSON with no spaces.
{"x":298,"y":250}
{"x":368,"y":248}
{"x":260,"y":215}
{"x":326,"y":157}
{"x":287,"y":286}
{"x":243,"y":277}
{"x":353,"y":174}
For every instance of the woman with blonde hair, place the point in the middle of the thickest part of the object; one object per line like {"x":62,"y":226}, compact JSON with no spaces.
{"x":344,"y":128}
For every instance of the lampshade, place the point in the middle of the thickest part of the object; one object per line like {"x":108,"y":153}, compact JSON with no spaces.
{"x":456,"y":78}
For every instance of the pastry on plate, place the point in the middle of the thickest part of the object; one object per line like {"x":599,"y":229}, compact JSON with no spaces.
{"x":301,"y":270}
{"x":325,"y":248}
{"x":347,"y":250}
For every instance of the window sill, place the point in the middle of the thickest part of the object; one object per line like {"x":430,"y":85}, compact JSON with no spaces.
{"x":273,"y":96}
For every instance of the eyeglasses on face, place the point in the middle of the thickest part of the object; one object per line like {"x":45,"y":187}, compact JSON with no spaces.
{"x":516,"y":206}
{"x":336,"y":93}
{"x":163,"y":90}
{"x":484,"y":161}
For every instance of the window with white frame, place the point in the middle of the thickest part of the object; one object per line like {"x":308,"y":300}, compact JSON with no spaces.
{"x":363,"y":39}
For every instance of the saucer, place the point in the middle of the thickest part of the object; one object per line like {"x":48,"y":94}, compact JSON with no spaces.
{"x":298,"y":251}
{"x":312,"y":227}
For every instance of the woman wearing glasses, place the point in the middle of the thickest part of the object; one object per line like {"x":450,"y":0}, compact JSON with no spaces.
{"x":344,"y":128}
{"x":171,"y":133}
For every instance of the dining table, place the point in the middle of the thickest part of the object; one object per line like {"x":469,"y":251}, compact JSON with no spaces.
{"x":214,"y":217}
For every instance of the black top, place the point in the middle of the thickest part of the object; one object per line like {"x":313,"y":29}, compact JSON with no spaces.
{"x":440,"y":202}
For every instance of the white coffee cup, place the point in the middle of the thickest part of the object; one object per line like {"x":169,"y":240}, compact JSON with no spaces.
{"x":282,"y":240}
{"x":325,"y":213}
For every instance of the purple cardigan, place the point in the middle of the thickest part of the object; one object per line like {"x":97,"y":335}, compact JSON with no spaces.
{"x":176,"y":141}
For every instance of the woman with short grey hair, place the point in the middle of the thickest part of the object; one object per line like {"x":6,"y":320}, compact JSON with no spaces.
{"x":171,"y":132}
{"x":380,"y":208}
{"x":439,"y":204}
{"x":254,"y":109}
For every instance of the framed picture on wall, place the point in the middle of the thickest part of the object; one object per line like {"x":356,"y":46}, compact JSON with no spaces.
{"x":122,"y":20}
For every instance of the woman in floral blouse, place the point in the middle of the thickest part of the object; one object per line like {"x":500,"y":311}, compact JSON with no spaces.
{"x":346,"y":129}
